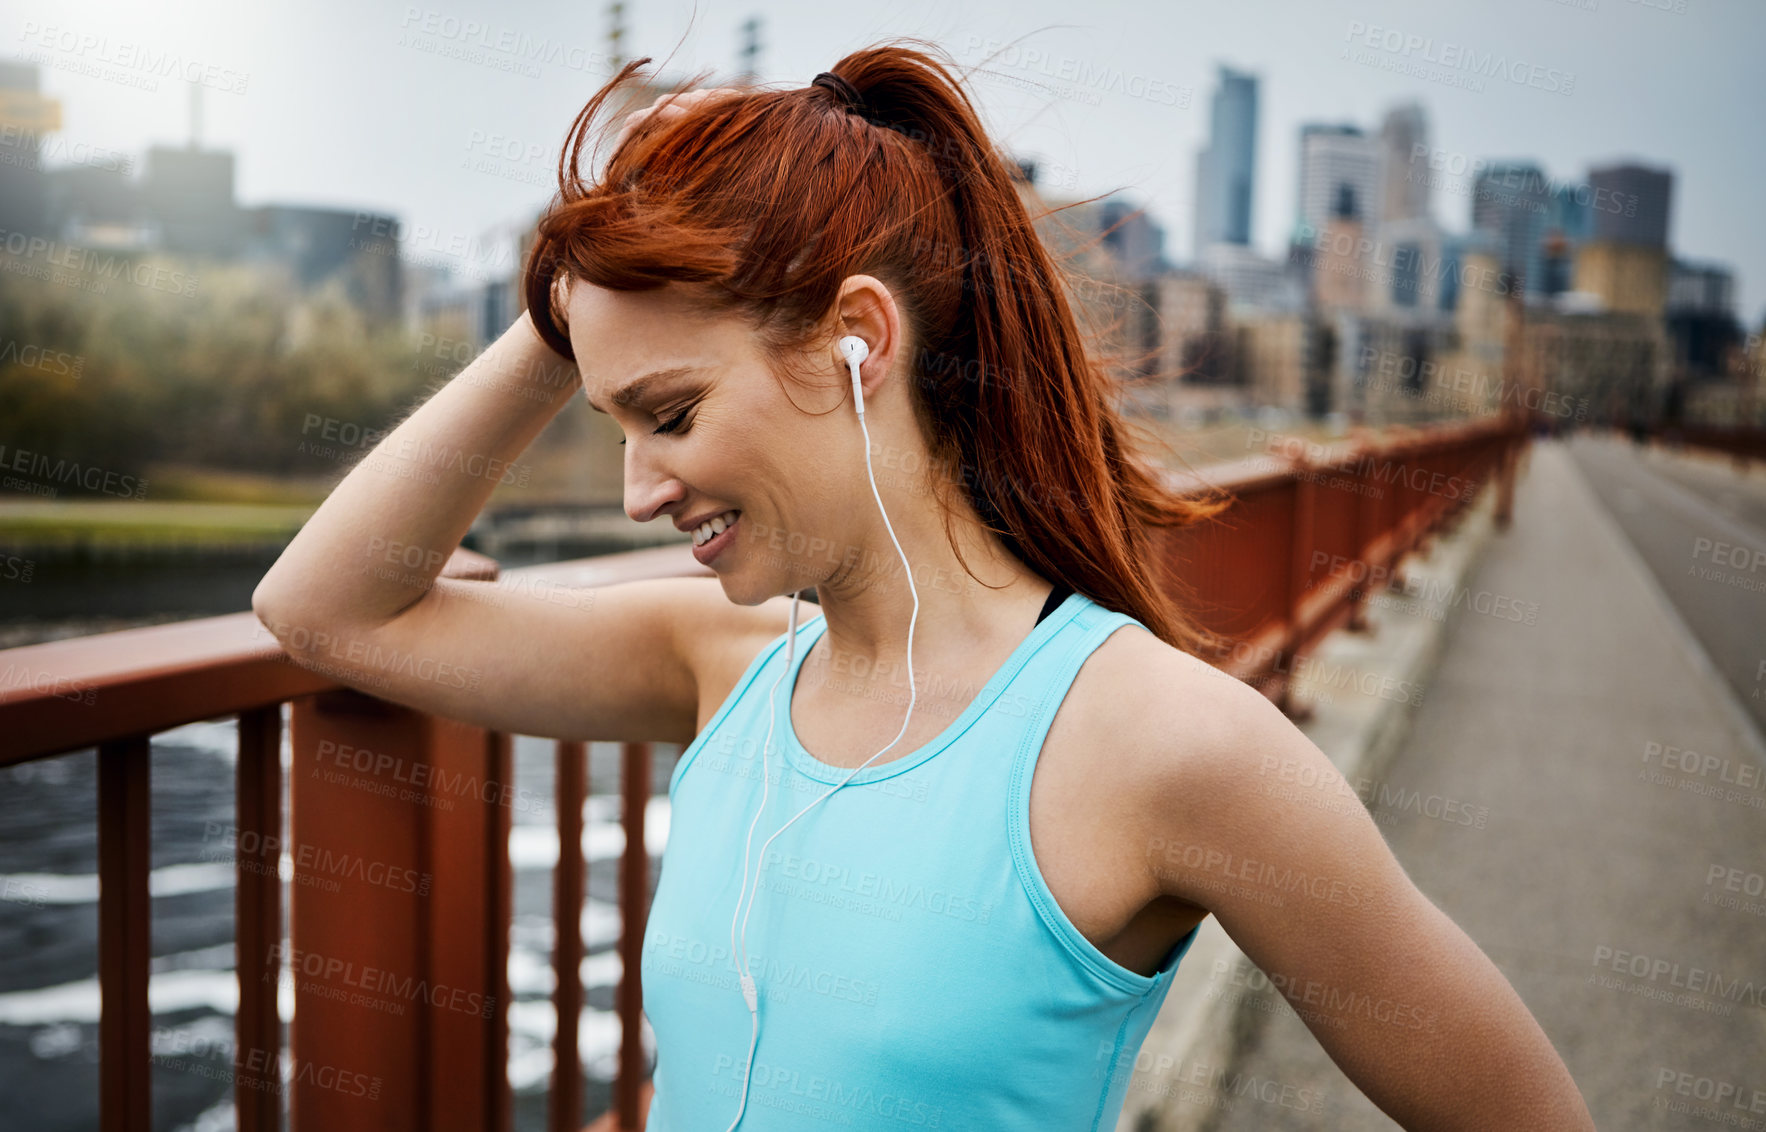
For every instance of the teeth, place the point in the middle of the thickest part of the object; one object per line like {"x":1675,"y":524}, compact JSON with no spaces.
{"x":712,"y":527}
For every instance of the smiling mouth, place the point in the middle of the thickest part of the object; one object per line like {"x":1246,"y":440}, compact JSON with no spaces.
{"x":710,"y":529}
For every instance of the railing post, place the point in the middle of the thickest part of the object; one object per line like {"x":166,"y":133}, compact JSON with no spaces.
{"x":400,"y":924}
{"x":1299,"y":573}
{"x":257,"y":909}
{"x":124,"y":943}
{"x":634,"y":910}
{"x":343,"y":810}
{"x":1366,"y":526}
{"x":1505,"y":482}
{"x":565,"y":1098}
{"x":476,"y":885}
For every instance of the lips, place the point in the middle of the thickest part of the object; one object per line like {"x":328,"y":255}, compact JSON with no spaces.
{"x":709,"y":527}
{"x":703,"y":553}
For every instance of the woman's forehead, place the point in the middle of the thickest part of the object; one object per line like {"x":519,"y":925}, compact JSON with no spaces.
{"x":619,"y":336}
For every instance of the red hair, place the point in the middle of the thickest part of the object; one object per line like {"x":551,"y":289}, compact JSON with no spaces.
{"x":767,"y":200}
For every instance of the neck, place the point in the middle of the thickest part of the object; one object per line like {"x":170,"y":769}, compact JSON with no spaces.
{"x":868,"y":606}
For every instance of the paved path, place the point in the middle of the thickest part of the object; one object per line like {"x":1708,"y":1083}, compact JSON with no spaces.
{"x":1606,"y":844}
{"x":1700,"y":526}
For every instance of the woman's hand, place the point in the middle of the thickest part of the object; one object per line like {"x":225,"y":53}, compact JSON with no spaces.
{"x":560,"y":302}
{"x":670,"y":106}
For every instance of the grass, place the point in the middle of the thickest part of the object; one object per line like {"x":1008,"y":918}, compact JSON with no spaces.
{"x":187,"y":506}
{"x":179,"y":483}
{"x":144,"y":523}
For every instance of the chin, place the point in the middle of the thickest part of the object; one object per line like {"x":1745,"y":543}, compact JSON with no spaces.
{"x":760,"y":594}
{"x":741,"y":590}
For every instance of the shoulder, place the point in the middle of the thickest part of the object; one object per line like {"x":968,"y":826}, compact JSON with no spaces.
{"x":1172,"y":729}
{"x":1215,"y":786}
{"x":1163,"y":700}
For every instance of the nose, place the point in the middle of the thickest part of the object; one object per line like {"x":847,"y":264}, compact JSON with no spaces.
{"x":648,"y":489}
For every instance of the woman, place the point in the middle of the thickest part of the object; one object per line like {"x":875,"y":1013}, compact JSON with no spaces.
{"x":946,"y":884}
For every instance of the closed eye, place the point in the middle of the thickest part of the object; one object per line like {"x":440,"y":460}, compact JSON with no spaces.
{"x":669,"y":425}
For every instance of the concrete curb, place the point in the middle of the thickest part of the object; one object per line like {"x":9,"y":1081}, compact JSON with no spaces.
{"x":1205,"y":1026}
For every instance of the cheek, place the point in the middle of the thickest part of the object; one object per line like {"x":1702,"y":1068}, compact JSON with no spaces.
{"x":729,"y":463}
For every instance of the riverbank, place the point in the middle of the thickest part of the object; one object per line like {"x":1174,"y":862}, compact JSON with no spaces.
{"x":99,"y":527}
{"x":198,"y":510}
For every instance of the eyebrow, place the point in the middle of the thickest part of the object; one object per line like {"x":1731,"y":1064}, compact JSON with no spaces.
{"x":637,"y":387}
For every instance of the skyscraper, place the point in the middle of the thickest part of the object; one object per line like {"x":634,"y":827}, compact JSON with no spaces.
{"x":1567,"y":226}
{"x":1404,"y":136}
{"x":1635,"y":199}
{"x":1512,"y":200}
{"x":1626,"y":261}
{"x":1131,"y":237}
{"x":1702,"y":328}
{"x":1226,"y":167}
{"x":189,"y":193}
{"x":1339,"y":175}
{"x":25,"y":116}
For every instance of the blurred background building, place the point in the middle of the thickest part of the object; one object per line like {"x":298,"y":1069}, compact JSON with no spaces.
{"x":1375,"y":311}
{"x":1226,"y":169}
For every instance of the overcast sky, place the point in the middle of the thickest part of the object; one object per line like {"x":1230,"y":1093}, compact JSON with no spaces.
{"x":433,"y":111}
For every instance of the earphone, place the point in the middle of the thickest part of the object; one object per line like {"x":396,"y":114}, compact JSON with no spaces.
{"x":854,"y":350}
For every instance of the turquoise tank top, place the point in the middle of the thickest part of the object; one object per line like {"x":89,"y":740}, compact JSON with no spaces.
{"x":913,"y":967}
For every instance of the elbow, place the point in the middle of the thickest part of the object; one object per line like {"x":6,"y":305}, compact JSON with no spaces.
{"x":284,"y":617}
{"x":268,"y":609}
{"x":275,"y":591}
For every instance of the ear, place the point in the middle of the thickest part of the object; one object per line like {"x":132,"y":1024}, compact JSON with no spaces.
{"x":867,"y":308}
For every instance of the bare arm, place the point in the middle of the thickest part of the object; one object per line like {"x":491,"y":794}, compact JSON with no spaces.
{"x":378,"y":542}
{"x":1252,"y":822}
{"x":356,"y":595}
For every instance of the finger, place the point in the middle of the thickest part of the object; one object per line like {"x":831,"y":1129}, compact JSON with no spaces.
{"x":560,"y":300}
{"x":671,"y":106}
{"x":690,"y":98}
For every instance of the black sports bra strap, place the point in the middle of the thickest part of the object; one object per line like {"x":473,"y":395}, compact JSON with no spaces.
{"x":1056,"y":597}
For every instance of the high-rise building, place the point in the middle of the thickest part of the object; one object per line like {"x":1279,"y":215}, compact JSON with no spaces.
{"x":1226,"y":168}
{"x":1708,"y":288}
{"x":1701,"y":323}
{"x":1340,"y":176}
{"x":1628,"y":278}
{"x":1415,"y":272}
{"x":25,"y":116}
{"x":1512,"y":201}
{"x":1114,"y":250}
{"x":1631,"y":204}
{"x":1404,"y":140}
{"x":98,"y":207}
{"x":1196,"y":342}
{"x":188,"y":192}
{"x":1282,"y":361}
{"x":1568,"y":212}
{"x":1131,"y":237}
{"x":1335,"y":264}
{"x":1252,"y":283}
{"x":1592,"y":362}
{"x":318,"y":243}
{"x":1567,"y":227}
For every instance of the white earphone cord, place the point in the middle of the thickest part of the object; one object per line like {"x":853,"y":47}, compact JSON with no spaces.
{"x":855,"y":350}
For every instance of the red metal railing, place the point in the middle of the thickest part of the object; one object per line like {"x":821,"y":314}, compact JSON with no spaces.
{"x":1745,"y":443}
{"x":1311,"y":534}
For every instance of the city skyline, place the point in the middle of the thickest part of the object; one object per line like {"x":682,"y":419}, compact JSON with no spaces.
{"x":468,"y":171}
